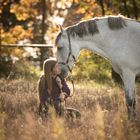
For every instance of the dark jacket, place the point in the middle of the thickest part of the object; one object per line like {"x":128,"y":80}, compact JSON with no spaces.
{"x":43,"y":94}
{"x":55,"y":93}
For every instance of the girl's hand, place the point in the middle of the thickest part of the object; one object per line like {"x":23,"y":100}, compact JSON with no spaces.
{"x":62,"y":96}
{"x":58,"y":80}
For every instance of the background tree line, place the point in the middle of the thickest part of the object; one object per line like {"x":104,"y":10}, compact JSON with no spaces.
{"x":35,"y":21}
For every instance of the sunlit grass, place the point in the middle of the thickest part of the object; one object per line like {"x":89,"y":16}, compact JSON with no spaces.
{"x":103,"y":110}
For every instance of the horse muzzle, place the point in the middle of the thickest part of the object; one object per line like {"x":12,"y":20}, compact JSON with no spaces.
{"x":64,"y":70}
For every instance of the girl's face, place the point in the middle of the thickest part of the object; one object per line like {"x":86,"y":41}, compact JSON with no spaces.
{"x":56,"y":69}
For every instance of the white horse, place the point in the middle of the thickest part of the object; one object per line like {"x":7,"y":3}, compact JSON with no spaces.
{"x":115,"y":38}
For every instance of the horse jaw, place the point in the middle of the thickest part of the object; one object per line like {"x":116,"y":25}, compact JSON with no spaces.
{"x":64,"y":71}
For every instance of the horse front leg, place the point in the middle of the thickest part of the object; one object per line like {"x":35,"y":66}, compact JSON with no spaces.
{"x":128,"y":78}
{"x":131,"y":103}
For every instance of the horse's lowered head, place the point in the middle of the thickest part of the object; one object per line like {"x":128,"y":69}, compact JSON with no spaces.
{"x":63,"y":51}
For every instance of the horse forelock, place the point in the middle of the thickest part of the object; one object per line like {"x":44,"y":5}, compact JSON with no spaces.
{"x":117,"y":22}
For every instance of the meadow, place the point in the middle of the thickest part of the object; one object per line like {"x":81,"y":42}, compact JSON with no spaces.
{"x":102,"y":106}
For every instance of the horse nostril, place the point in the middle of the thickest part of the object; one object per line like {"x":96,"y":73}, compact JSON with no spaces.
{"x":64,"y":73}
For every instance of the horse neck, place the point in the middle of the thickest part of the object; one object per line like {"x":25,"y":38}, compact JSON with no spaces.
{"x":90,"y":43}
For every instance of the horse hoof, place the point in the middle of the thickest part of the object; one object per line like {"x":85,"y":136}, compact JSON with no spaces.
{"x":132,"y":115}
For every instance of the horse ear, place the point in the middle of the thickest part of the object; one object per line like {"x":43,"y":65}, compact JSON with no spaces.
{"x":61,"y":28}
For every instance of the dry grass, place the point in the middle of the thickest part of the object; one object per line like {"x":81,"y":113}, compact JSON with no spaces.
{"x":102,"y":107}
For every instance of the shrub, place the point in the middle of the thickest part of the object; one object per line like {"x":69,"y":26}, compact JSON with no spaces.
{"x":19,"y":69}
{"x":92,"y":67}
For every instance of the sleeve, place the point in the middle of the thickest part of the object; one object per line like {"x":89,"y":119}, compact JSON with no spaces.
{"x":65,"y":88}
{"x":59,"y":82}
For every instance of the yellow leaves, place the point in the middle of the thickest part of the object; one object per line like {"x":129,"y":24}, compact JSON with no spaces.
{"x":85,"y":1}
{"x":91,"y":66}
{"x":24,"y":10}
{"x":51,"y":33}
{"x":20,"y":33}
{"x":15,"y":34}
{"x":17,"y":52}
{"x":5,"y":2}
{"x":20,"y":12}
{"x":81,"y":10}
{"x":76,"y":1}
{"x":27,"y":3}
{"x":88,"y":16}
{"x":12,"y":37}
{"x":86,"y":53}
{"x":7,"y":38}
{"x":87,"y":8}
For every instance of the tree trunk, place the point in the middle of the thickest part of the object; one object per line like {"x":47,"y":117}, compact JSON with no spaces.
{"x":43,"y":30}
{"x":108,"y":3}
{"x":135,"y":9}
{"x":126,"y":8}
{"x":102,"y":7}
{"x":0,"y":37}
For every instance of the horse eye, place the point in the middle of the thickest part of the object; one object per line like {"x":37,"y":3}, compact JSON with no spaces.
{"x":59,"y":48}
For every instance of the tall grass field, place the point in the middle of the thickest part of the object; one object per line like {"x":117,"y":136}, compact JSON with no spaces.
{"x":102,"y":107}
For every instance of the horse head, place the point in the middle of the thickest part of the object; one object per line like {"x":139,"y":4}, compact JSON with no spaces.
{"x":64,"y":53}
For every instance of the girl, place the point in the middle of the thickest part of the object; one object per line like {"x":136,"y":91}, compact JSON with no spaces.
{"x":52,"y":87}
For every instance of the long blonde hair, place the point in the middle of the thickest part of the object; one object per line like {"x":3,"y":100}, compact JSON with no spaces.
{"x":47,"y":68}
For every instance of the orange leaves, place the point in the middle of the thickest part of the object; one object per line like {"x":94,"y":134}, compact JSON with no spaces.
{"x":12,"y":37}
{"x":24,"y":10}
{"x":7,"y":38}
{"x":17,"y":52}
{"x":19,"y":33}
{"x":76,"y":1}
{"x":15,"y":34}
{"x":87,"y":8}
{"x":81,"y":10}
{"x":20,"y":12}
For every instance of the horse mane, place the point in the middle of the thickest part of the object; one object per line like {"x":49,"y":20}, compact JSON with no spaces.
{"x":116,"y":22}
{"x":83,"y":28}
{"x":90,"y":27}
